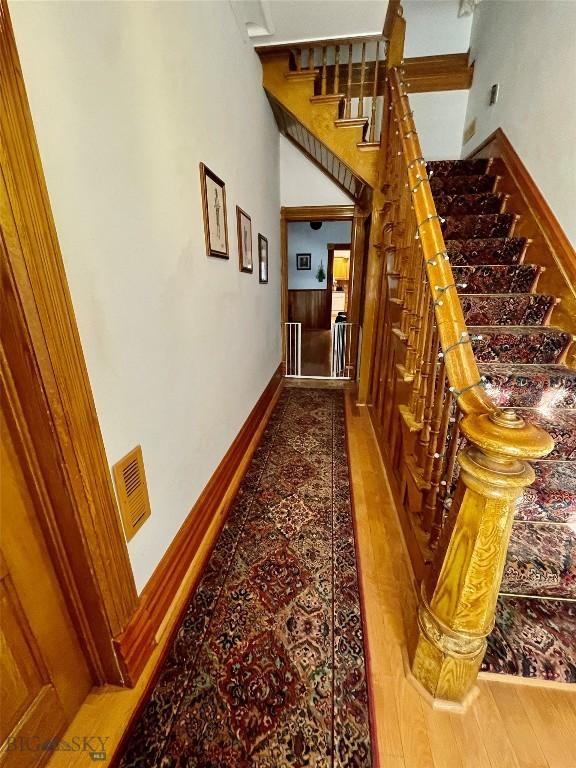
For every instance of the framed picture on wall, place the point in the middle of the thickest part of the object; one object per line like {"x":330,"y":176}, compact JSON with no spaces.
{"x":214,"y":210}
{"x":244,"y":225}
{"x":262,"y":258}
{"x":303,"y":261}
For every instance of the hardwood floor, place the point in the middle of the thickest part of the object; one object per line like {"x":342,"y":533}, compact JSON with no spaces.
{"x":316,"y":348}
{"x":510,"y":725}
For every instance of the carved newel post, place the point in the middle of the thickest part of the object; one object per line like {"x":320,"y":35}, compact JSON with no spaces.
{"x":458,"y":600}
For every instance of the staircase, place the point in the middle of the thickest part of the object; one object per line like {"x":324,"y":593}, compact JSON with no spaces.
{"x":327,"y":98}
{"x":522,"y":339}
{"x":521,"y":357}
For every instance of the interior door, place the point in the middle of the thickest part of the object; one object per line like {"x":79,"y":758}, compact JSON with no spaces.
{"x":44,"y":676}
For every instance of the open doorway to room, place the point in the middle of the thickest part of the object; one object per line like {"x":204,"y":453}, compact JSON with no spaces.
{"x":323,"y":250}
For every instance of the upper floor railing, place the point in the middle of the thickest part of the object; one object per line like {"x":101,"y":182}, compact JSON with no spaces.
{"x":350,"y":70}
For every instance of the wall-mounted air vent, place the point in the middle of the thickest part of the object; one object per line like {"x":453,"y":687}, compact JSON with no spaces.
{"x":130,"y":480}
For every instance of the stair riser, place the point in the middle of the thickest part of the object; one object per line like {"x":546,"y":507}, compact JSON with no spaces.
{"x":497,"y":279}
{"x":486,"y":251}
{"x":561,"y":425}
{"x":541,"y":560}
{"x":531,"y":388}
{"x":463,"y":205}
{"x":478,"y":227}
{"x":533,"y":638}
{"x":462,"y":185}
{"x":507,"y":347}
{"x":547,"y":505}
{"x":457,"y":167}
{"x":520,"y":309}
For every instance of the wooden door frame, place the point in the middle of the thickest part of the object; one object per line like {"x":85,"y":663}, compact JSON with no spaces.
{"x":353,"y":213}
{"x":51,"y":403}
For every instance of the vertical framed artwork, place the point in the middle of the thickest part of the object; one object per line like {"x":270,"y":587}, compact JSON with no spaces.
{"x":303,"y":261}
{"x":262,"y":258}
{"x":244,"y":225}
{"x":214,"y":210}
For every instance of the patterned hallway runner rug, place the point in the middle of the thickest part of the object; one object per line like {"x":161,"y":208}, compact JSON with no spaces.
{"x":267,"y":667}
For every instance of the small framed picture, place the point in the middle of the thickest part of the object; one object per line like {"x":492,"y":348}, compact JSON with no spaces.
{"x":214,"y":210}
{"x":244,"y":225}
{"x":263,"y":258}
{"x":303,"y":261}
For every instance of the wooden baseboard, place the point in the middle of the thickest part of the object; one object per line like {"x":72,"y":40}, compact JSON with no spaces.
{"x":137,"y":642}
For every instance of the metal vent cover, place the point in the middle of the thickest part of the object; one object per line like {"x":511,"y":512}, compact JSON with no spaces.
{"x":130,"y":481}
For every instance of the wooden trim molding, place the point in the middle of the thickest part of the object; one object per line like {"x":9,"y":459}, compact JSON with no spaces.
{"x":445,"y":72}
{"x":136,"y":644}
{"x":45,"y":358}
{"x":317,"y":212}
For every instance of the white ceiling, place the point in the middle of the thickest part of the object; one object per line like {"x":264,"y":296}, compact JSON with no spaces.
{"x":433,"y":26}
{"x":289,"y":21}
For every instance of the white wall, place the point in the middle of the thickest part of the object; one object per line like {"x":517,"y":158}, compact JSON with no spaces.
{"x":440,"y":118}
{"x":302,"y":183}
{"x":303,"y":239}
{"x":434,"y":27}
{"x":529,"y":47}
{"x":127,"y":99}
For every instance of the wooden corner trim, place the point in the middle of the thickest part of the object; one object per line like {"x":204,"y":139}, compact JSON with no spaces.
{"x":136,"y":643}
{"x":543,"y":214}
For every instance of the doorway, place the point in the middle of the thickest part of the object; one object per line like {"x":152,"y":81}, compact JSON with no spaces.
{"x":322,"y":260}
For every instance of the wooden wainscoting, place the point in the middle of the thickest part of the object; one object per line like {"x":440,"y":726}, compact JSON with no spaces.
{"x":136,"y":644}
{"x":309,"y":307}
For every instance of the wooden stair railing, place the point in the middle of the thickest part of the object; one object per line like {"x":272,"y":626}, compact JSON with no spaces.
{"x":466,"y":458}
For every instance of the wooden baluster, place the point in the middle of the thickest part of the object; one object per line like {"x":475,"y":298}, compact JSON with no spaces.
{"x":451,"y":450}
{"x":336,"y":70}
{"x":362,"y":76}
{"x":436,"y":462}
{"x":298,"y":57}
{"x":428,"y":399}
{"x":425,"y":332}
{"x":374,"y":94}
{"x":348,"y":108}
{"x":311,"y":58}
{"x":324,"y":62}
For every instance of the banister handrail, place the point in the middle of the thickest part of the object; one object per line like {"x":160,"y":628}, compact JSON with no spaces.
{"x":455,"y":339}
{"x":304,"y":44}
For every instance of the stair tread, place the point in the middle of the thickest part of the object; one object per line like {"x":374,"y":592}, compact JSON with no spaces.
{"x":533,"y":637}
